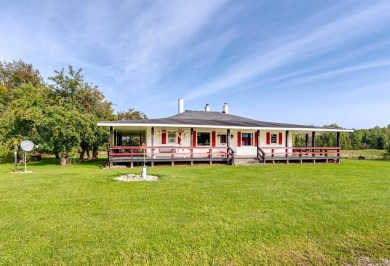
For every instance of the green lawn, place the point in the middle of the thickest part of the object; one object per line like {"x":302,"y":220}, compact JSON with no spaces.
{"x":368,"y":154}
{"x":221,"y":215}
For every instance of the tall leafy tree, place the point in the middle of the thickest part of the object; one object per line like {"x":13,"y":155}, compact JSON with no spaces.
{"x":23,"y":98}
{"x":71,"y":92}
{"x":131,"y":114}
{"x":62,"y":129}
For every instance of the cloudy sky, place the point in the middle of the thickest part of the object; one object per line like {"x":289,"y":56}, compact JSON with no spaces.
{"x":302,"y":61}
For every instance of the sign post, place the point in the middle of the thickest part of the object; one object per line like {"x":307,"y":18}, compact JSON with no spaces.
{"x":16,"y":158}
{"x":144,"y":173}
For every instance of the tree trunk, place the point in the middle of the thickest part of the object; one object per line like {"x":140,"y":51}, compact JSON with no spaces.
{"x":82,"y":155}
{"x":57,"y":155}
{"x":95,"y":153}
{"x":64,"y":160}
{"x":88,"y":154}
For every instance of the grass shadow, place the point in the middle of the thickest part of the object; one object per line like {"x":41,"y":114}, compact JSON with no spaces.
{"x":50,"y":160}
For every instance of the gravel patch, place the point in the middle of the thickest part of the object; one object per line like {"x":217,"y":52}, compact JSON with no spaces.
{"x":133,"y":177}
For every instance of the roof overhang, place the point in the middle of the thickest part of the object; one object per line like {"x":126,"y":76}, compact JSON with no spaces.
{"x":127,"y":127}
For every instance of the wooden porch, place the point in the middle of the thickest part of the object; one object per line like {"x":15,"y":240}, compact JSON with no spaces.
{"x":140,"y":155}
{"x":299,"y":154}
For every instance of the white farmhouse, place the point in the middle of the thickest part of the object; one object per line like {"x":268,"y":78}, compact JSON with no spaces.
{"x":206,"y":136}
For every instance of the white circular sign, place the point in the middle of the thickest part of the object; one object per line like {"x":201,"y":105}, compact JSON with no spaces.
{"x":27,"y":145}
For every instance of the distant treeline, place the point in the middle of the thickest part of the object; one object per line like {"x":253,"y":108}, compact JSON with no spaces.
{"x":373,"y":138}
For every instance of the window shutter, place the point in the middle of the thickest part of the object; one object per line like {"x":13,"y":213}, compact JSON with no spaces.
{"x":256,"y":139}
{"x":179,"y":138}
{"x":268,"y":138}
{"x":194,"y":138}
{"x":280,"y":138}
{"x":213,"y":139}
{"x":163,"y":137}
{"x":238,"y":139}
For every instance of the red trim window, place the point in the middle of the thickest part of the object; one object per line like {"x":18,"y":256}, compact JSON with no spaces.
{"x":164,"y":137}
{"x":238,"y":139}
{"x":274,"y":138}
{"x":203,"y":139}
{"x":222,"y":139}
{"x":171,"y":139}
{"x":247,"y":139}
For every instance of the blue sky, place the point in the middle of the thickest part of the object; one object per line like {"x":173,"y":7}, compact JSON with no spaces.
{"x":304,"y":62}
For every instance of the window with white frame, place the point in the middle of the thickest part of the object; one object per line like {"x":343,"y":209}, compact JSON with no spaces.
{"x":203,"y":139}
{"x":247,"y":139}
{"x":274,"y":138}
{"x":222,"y":139}
{"x":172,"y":137}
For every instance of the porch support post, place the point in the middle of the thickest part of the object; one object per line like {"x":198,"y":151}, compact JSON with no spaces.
{"x":111,"y":136}
{"x":338,"y":146}
{"x":120,"y":139}
{"x":192,"y":144}
{"x":152,"y":142}
{"x":313,"y":139}
{"x":307,"y":140}
{"x":191,"y":140}
{"x":338,"y":139}
{"x":152,"y":137}
{"x":313,"y":142}
{"x":228,"y":138}
{"x":286,"y":139}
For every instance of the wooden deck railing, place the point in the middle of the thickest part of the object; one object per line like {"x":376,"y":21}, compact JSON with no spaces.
{"x":156,"y":152}
{"x":304,"y":152}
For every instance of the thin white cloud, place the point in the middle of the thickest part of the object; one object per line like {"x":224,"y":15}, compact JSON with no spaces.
{"x":327,"y":37}
{"x":359,"y":67}
{"x":159,"y":33}
{"x":331,"y":62}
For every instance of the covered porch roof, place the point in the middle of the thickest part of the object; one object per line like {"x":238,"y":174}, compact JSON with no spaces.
{"x":208,"y":119}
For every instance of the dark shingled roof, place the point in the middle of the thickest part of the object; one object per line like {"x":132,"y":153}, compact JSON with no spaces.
{"x":203,"y":118}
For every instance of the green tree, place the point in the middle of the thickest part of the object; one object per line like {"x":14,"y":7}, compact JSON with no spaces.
{"x":23,"y":98}
{"x":131,"y":114}
{"x":61,"y":130}
{"x":12,"y":76}
{"x":70,"y":91}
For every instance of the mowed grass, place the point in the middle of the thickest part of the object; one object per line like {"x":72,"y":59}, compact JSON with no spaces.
{"x":367,"y":154}
{"x":309,"y":214}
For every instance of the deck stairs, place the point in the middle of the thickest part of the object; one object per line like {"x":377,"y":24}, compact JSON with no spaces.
{"x":246,"y":161}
